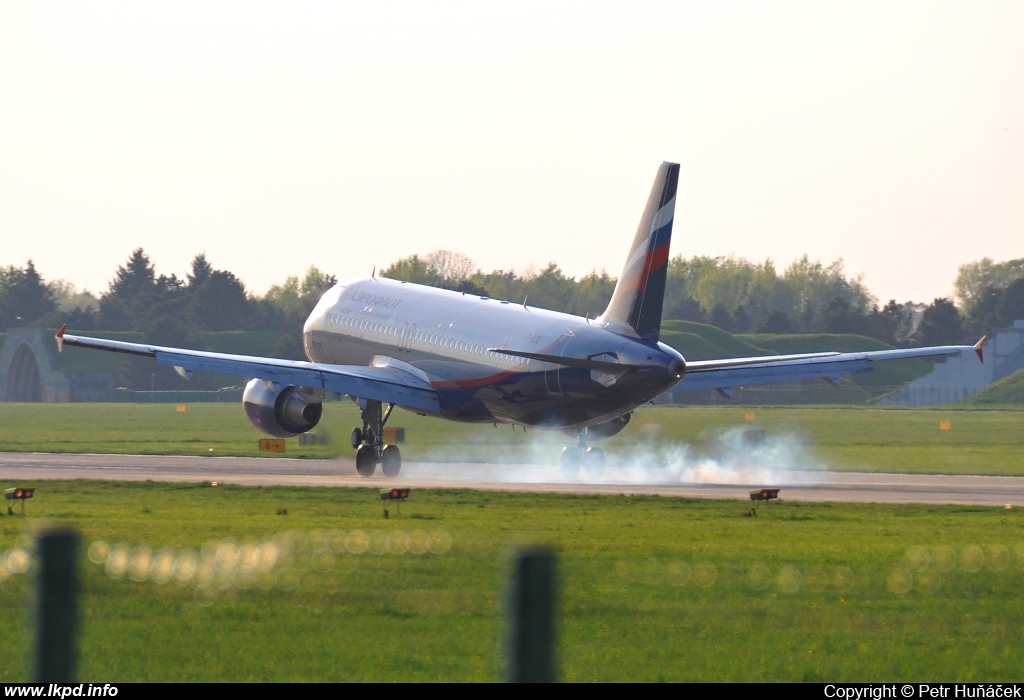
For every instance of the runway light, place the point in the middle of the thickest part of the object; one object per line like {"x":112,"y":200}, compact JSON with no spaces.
{"x":213,"y":483}
{"x":758,"y":495}
{"x":17,"y":494}
{"x":393,"y":495}
{"x":1009,"y":507}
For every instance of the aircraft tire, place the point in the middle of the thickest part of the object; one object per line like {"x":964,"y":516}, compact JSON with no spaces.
{"x":391,"y":461}
{"x":570,"y":462}
{"x":366,"y":460}
{"x":593,"y":462}
{"x":356,"y":438}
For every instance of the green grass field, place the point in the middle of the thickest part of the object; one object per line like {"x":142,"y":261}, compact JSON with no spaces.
{"x":887,"y":440}
{"x":649,"y":588}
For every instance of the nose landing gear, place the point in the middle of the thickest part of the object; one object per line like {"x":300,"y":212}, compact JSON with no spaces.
{"x":369,"y":442}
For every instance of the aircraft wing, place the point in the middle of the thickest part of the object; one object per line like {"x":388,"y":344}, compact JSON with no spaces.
{"x":388,"y":383}
{"x":746,"y":371}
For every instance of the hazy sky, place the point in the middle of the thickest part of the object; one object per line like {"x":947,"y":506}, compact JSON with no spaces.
{"x":275,"y":135}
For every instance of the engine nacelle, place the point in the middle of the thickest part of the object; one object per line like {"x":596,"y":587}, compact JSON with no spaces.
{"x":283,"y":413}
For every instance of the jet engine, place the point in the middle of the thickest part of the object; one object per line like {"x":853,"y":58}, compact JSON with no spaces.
{"x":284,"y":413}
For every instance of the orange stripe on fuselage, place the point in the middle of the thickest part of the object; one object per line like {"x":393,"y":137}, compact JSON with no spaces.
{"x":470,"y":383}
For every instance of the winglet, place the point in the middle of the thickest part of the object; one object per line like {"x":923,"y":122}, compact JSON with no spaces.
{"x":60,"y":338}
{"x":979,"y":345}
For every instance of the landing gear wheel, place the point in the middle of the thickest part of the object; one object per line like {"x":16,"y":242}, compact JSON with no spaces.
{"x":593,"y":462}
{"x":366,"y":460}
{"x":391,"y":461}
{"x":357,"y":438}
{"x":570,"y":462}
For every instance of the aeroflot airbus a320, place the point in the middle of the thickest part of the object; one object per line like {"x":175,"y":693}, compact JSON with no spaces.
{"x":468,"y":358}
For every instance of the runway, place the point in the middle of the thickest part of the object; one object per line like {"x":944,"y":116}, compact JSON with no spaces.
{"x":795,"y":485}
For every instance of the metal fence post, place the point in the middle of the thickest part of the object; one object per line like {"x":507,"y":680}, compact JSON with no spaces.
{"x":56,"y":607}
{"x":531,"y":610}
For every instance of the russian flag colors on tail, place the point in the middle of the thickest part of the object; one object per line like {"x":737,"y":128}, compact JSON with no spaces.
{"x":635,"y":307}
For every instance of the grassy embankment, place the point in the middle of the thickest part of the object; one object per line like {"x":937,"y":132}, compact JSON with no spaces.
{"x":1007,"y":392}
{"x":889,"y":440}
{"x":650,"y":588}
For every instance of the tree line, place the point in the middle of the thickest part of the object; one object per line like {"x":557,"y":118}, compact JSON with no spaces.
{"x":741,"y":296}
{"x":166,"y":309}
{"x":734,"y":294}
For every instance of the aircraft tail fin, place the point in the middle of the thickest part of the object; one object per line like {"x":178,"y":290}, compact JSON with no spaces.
{"x":636,"y":304}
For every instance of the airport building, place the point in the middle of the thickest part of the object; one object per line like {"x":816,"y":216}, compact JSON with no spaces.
{"x":959,"y":377}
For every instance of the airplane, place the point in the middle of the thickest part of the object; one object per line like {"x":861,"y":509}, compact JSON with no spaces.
{"x":463,"y":357}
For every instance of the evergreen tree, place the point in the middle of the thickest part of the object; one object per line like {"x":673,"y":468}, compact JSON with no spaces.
{"x":940,"y":325}
{"x":1011,"y":303}
{"x":218,"y":300}
{"x":201,"y":271}
{"x":129,"y":293}
{"x":24,"y":297}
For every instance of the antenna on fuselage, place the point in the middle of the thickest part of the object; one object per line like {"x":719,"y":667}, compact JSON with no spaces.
{"x":373,"y":274}
{"x":524,"y":301}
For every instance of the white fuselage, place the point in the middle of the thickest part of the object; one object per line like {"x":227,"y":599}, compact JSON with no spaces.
{"x":456,"y":340}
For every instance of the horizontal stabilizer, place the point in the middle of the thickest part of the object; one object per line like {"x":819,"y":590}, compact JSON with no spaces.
{"x":566,"y":361}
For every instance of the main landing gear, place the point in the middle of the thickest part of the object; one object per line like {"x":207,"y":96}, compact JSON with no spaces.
{"x":369,"y":443}
{"x":590,"y":458}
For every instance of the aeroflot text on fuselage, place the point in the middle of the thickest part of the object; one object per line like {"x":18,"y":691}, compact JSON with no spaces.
{"x":376,"y":300}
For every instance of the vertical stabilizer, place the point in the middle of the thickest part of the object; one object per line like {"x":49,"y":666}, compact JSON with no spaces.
{"x":640,"y":292}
